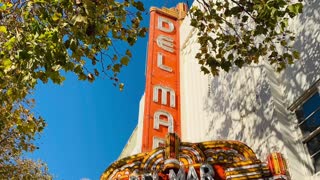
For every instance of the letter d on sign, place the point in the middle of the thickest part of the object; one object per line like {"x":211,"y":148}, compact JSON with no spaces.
{"x":161,"y":27}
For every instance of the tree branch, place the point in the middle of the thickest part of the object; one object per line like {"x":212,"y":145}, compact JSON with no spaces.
{"x":244,"y":9}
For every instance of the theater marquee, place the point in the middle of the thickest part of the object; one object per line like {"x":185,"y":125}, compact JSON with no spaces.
{"x":213,"y":160}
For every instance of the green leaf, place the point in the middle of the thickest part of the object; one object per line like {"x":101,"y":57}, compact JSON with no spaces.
{"x":143,"y":32}
{"x":205,"y":70}
{"x":226,"y":65}
{"x":295,"y":8}
{"x":194,"y":22}
{"x":3,"y":7}
{"x":244,"y":18}
{"x":115,"y":57}
{"x":125,"y":60}
{"x":235,"y":10}
{"x":56,"y":16}
{"x":230,"y":57}
{"x":9,"y":92}
{"x":9,"y":44}
{"x":131,"y":40}
{"x":116,"y":68}
{"x":239,"y":62}
{"x":3,"y":29}
{"x":96,"y":72}
{"x":296,"y":54}
{"x":139,"y":5}
{"x":283,"y":43}
{"x":82,"y":76}
{"x":24,"y":54}
{"x":78,"y":69}
{"x":42,"y":76}
{"x":128,"y":53}
{"x":7,"y":63}
{"x":121,"y":86}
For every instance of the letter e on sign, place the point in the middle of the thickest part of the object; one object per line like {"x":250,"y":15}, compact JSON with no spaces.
{"x":165,"y":43}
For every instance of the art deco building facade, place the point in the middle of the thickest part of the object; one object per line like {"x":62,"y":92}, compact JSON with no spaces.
{"x":263,"y":109}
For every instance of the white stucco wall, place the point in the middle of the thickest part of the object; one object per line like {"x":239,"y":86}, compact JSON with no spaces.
{"x":134,"y":143}
{"x":251,"y":104}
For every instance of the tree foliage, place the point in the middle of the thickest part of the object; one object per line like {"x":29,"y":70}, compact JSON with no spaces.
{"x":41,"y":38}
{"x":238,"y":32}
{"x":25,"y":169}
{"x":18,"y":128}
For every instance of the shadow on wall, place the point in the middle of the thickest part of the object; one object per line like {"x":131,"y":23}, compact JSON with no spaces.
{"x":304,"y":73}
{"x":241,"y":108}
{"x":242,"y":105}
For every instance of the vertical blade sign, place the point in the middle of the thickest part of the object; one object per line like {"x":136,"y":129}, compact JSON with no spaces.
{"x":162,"y":107}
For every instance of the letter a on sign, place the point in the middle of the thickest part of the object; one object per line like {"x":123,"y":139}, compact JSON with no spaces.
{"x":161,"y":25}
{"x":192,"y":174}
{"x":160,"y":121}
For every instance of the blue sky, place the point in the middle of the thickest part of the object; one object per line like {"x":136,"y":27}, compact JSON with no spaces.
{"x":90,"y":123}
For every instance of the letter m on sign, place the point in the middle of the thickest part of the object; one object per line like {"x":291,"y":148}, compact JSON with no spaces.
{"x":164,"y":91}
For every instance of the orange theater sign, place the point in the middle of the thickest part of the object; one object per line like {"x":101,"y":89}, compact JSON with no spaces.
{"x":162,"y":107}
